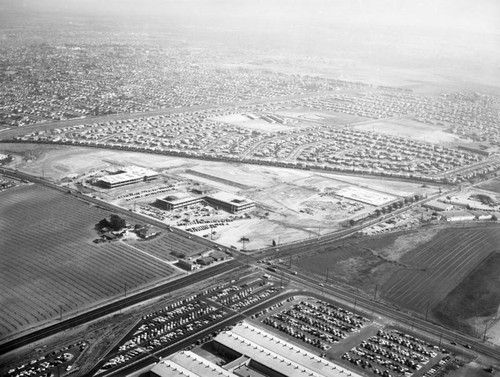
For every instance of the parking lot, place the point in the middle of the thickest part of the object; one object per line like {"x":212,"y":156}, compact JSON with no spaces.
{"x":338,"y":334}
{"x":171,"y":324}
{"x":58,"y":362}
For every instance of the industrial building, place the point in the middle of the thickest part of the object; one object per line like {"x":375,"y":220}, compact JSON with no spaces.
{"x":127,"y":177}
{"x":254,"y":352}
{"x":438,"y":206}
{"x":458,"y":216}
{"x":176,"y":201}
{"x":188,"y":364}
{"x":274,"y":356}
{"x":228,"y":202}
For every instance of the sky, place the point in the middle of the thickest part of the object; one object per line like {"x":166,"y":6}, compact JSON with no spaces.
{"x":407,"y":34}
{"x":465,"y":15}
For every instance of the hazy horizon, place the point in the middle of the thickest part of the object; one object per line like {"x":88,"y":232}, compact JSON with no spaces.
{"x":458,"y":39}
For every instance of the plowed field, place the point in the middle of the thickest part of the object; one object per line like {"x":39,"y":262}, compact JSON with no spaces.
{"x":49,"y":265}
{"x":438,"y":266}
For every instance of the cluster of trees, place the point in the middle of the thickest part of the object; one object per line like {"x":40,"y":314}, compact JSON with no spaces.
{"x":398,"y":204}
{"x":115,"y":223}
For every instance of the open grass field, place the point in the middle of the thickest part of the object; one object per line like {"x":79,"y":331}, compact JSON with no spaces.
{"x":493,"y":185}
{"x":49,"y":265}
{"x":355,"y":262}
{"x":435,"y":268}
{"x":410,"y":129}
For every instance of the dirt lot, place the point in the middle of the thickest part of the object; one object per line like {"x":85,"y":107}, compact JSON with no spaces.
{"x":291,"y":204}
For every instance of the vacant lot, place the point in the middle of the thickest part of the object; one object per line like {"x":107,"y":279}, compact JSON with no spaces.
{"x":49,"y":265}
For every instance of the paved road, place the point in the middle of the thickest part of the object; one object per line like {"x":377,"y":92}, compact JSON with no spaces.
{"x":9,"y":134}
{"x":410,"y":320}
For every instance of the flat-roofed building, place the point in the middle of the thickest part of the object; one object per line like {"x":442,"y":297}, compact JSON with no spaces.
{"x":230,"y":202}
{"x":438,"y":206}
{"x":126,"y":178}
{"x":188,"y":364}
{"x":458,"y":216}
{"x":225,"y":201}
{"x":176,"y":201}
{"x":275,"y":356}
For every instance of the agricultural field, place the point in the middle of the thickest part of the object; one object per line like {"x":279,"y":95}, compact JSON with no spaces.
{"x":49,"y":265}
{"x":432,"y":270}
{"x":474,"y":303}
{"x":418,"y":270}
{"x":163,"y":246}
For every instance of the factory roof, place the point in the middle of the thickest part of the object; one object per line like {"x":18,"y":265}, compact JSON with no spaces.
{"x":189,"y":364}
{"x":278,"y":354}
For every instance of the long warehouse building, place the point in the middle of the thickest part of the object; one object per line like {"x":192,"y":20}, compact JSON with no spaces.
{"x":254,"y":352}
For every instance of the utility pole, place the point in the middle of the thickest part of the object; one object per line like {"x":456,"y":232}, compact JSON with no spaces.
{"x":326,"y":280}
{"x":427,"y":310}
{"x":374,"y":299}
{"x":125,"y":289}
{"x":60,"y":312}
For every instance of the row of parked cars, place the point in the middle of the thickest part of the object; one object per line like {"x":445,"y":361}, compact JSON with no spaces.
{"x":50,"y":363}
{"x":163,"y":327}
{"x":391,"y":353}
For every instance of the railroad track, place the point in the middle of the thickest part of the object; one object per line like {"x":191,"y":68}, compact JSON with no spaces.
{"x":412,"y":321}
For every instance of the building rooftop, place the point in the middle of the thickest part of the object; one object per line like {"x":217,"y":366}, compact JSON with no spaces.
{"x":278,"y":354}
{"x":229,"y":198}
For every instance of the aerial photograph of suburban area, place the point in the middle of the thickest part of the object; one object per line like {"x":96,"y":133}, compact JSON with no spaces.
{"x":249,"y":188}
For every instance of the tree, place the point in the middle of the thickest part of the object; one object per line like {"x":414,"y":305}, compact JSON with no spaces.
{"x":104,"y":223}
{"x":116,"y":222}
